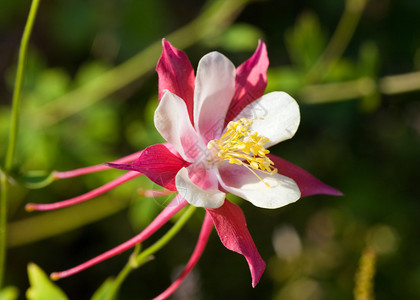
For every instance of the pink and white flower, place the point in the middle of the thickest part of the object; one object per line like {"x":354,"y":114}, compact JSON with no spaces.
{"x":218,"y":126}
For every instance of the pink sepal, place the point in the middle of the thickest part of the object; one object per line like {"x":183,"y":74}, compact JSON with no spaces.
{"x":230,"y":224}
{"x":158,"y":163}
{"x":308,"y":184}
{"x":176,"y":74}
{"x":199,"y":248}
{"x":167,"y":213}
{"x":251,"y":81}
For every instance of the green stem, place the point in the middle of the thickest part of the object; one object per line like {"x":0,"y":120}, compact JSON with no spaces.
{"x":13,"y":132}
{"x":361,"y":87}
{"x":3,"y":225}
{"x":364,"y":279}
{"x":339,"y":41}
{"x":122,"y":275}
{"x":14,"y":123}
{"x":146,"y":255}
{"x":402,"y":83}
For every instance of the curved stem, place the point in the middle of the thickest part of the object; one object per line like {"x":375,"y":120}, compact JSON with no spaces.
{"x":122,"y":275}
{"x":364,"y":278}
{"x":142,"y":257}
{"x":14,"y":124}
{"x":339,"y":41}
{"x":3,"y":224}
{"x":145,"y":256}
{"x":361,"y":87}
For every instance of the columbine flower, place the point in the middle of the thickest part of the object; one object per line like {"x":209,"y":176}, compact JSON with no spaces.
{"x":218,"y":126}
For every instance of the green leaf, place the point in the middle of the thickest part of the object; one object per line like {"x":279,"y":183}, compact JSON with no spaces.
{"x":305,"y":41}
{"x":103,"y":291}
{"x":41,"y":287}
{"x":9,"y":293}
{"x":35,"y":179}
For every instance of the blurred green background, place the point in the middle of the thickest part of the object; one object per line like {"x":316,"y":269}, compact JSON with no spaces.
{"x":351,"y":66}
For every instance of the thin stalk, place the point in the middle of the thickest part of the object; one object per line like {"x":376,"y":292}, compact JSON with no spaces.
{"x":365,"y":276}
{"x":361,"y":87}
{"x":13,"y":132}
{"x":3,"y":225}
{"x":123,"y":274}
{"x":14,"y":123}
{"x":145,"y":256}
{"x":339,"y":41}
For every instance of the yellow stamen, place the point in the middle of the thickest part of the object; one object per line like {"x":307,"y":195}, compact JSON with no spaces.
{"x":238,"y":146}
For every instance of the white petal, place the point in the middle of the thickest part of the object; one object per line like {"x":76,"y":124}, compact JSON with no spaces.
{"x":210,"y":197}
{"x":214,"y":89}
{"x":173,"y":123}
{"x":242,"y":182}
{"x":275,"y":115}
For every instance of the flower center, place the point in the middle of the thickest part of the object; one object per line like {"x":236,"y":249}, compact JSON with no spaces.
{"x":241,"y":147}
